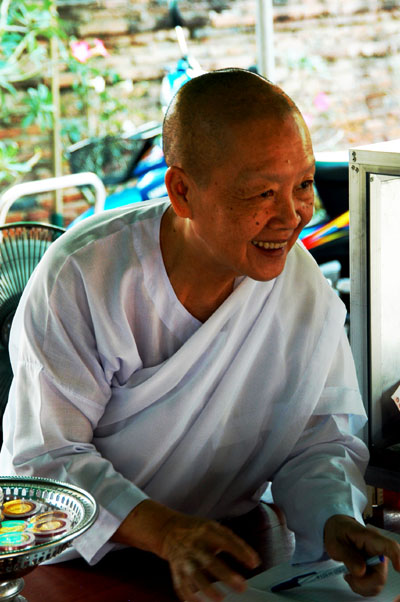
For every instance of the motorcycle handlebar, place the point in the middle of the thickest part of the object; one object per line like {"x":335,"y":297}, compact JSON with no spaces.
{"x":176,"y":17}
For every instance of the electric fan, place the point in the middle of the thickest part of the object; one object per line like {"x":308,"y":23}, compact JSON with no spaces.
{"x":22,"y":245}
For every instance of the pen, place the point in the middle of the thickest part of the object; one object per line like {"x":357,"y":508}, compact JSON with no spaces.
{"x":317,"y":575}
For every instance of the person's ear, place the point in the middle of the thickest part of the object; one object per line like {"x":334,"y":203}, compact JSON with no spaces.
{"x":178,"y":184}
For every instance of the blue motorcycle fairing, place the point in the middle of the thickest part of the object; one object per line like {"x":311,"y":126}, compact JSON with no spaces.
{"x":118,"y":199}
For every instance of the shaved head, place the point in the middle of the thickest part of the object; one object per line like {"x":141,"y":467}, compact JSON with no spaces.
{"x":199,"y":122}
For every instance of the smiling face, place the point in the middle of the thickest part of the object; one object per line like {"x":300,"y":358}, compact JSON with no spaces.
{"x":255,"y":204}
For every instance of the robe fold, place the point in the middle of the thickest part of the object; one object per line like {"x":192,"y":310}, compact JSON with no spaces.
{"x":119,"y":390}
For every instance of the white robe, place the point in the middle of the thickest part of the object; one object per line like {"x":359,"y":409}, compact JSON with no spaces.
{"x":119,"y":390}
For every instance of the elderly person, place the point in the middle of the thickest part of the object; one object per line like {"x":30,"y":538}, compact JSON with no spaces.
{"x":177,"y":356}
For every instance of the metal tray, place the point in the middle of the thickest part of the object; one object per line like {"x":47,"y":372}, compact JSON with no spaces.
{"x":79,"y":504}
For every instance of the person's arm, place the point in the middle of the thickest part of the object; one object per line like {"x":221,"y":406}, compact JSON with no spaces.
{"x":349,"y":542}
{"x":190,"y":545}
{"x":60,"y":393}
{"x":322,"y":477}
{"x":46,"y":434}
{"x":322,"y":490}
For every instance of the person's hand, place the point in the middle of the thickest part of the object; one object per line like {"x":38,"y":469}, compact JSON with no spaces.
{"x":191,"y":546}
{"x":349,"y":542}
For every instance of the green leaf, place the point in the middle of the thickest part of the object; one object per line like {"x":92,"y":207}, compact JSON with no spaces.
{"x":28,"y":120}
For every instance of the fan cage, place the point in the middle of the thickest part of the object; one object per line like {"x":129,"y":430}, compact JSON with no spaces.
{"x":22,"y":245}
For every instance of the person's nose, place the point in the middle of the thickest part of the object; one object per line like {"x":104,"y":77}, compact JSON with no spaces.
{"x":286,"y":214}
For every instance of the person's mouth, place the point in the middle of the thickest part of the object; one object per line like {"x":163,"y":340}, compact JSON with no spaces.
{"x":262,"y":244}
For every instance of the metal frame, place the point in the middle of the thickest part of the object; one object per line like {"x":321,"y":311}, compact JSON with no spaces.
{"x":86,"y":178}
{"x":382,"y":159}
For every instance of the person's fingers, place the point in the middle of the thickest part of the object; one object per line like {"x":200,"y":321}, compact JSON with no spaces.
{"x":186,"y":592}
{"x":225,"y":540}
{"x":353,"y":559}
{"x":387,"y":547}
{"x":221,"y":572}
{"x":189,"y":579}
{"x":350,"y":555}
{"x":208,"y":588}
{"x":371,"y":582}
{"x":192,"y":547}
{"x":370,"y":542}
{"x":202,"y":570}
{"x":350,"y":542}
{"x":207,"y":535}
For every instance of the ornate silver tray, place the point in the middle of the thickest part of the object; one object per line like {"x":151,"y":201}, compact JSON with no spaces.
{"x":81,"y":508}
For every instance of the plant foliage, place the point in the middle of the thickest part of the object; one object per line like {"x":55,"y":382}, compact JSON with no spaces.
{"x":26,"y":28}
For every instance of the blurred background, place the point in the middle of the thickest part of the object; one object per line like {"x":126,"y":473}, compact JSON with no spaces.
{"x":75,"y":69}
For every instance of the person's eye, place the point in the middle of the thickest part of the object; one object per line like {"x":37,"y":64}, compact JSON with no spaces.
{"x":306,"y":184}
{"x":266,"y":194}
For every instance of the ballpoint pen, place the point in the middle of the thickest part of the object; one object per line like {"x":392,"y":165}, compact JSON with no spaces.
{"x":318,"y":575}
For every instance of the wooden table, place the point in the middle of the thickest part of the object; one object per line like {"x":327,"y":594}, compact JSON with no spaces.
{"x":134,"y":576}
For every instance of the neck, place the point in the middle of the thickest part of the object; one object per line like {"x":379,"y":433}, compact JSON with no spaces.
{"x":199,"y":289}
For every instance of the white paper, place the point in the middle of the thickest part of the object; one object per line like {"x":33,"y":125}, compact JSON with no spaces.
{"x":396,"y":397}
{"x":332,"y":589}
